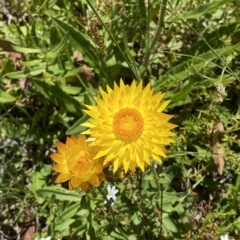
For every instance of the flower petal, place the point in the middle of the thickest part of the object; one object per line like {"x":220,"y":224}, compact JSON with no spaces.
{"x":58,"y":158}
{"x":61,"y":147}
{"x":62,"y":178}
{"x":94,"y":180}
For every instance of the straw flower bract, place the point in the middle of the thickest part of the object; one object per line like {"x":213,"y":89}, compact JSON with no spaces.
{"x":129,"y":127}
{"x":77,"y":163}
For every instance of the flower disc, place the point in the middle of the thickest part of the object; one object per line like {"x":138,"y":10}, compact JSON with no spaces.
{"x":127,"y":124}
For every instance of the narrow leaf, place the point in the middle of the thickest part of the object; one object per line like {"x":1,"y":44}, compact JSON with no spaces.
{"x":77,"y":128}
{"x":57,"y":96}
{"x":5,"y":97}
{"x":27,"y":50}
{"x":53,"y":52}
{"x":26,"y":73}
{"x":201,"y":9}
{"x":60,"y":194}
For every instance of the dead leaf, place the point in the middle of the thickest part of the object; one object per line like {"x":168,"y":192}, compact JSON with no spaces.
{"x":6,"y":45}
{"x":86,"y":74}
{"x":78,"y":57}
{"x":16,"y":58}
{"x":217,"y":146}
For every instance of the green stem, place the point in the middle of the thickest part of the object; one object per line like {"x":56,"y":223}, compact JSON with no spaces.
{"x":155,"y":175}
{"x":114,"y":40}
{"x":157,"y":34}
{"x":159,"y":190}
{"x":111,"y":211}
{"x":148,"y":25}
{"x":161,"y":206}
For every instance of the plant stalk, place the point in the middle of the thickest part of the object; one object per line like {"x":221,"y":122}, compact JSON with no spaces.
{"x":157,"y":35}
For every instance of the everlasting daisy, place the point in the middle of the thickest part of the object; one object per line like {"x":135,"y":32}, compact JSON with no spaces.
{"x":77,"y":162}
{"x":129,"y":126}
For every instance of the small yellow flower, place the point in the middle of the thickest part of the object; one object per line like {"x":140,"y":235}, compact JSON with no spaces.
{"x":129,"y":127}
{"x":77,"y":162}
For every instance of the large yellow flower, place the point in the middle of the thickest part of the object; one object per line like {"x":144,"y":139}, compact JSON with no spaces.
{"x":129,"y":126}
{"x":76,"y":163}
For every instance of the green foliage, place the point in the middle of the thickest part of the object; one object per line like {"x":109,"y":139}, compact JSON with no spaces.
{"x":55,"y":55}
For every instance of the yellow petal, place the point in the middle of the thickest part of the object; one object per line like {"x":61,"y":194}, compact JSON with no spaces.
{"x":92,"y":108}
{"x":116,"y":164}
{"x":87,"y":124}
{"x":70,"y":142}
{"x":75,"y":182}
{"x":84,"y":186}
{"x":104,"y":95}
{"x":73,"y":137}
{"x":61,"y":147}
{"x":82,"y":139}
{"x":93,"y":114}
{"x":163,"y":105}
{"x":102,"y":152}
{"x":58,"y":158}
{"x":158,"y":151}
{"x":140,"y":163}
{"x":126,"y":164}
{"x":87,"y":132}
{"x":62,"y":168}
{"x":132,"y":166}
{"x":94,"y":180}
{"x":62,"y":178}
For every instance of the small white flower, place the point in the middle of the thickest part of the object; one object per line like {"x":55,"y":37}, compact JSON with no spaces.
{"x":47,"y":238}
{"x":111,"y":195}
{"x":224,"y":237}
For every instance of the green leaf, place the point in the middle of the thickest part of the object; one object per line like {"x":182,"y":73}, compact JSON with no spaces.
{"x":55,"y":50}
{"x":201,"y":9}
{"x":79,"y":230}
{"x":34,"y":36}
{"x":57,"y":96}
{"x":74,"y":72}
{"x":182,"y":93}
{"x":69,"y":212}
{"x":25,"y":73}
{"x":37,"y":181}
{"x":170,"y":224}
{"x":8,"y":67}
{"x":31,"y":63}
{"x":116,"y":236}
{"x":77,"y":128}
{"x":27,"y":50}
{"x":71,"y":89}
{"x":60,"y":194}
{"x":46,"y":170}
{"x":63,"y":228}
{"x":5,"y":97}
{"x":170,"y":196}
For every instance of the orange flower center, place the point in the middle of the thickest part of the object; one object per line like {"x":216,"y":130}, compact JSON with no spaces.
{"x":128,"y":124}
{"x":80,"y":164}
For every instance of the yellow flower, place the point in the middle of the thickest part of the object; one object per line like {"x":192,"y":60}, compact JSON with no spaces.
{"x":129,"y":126}
{"x":77,"y":162}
